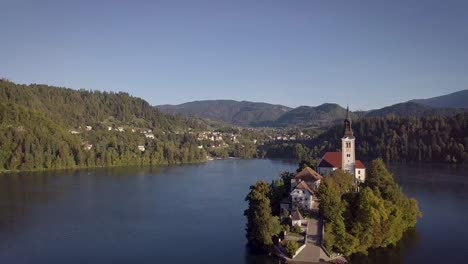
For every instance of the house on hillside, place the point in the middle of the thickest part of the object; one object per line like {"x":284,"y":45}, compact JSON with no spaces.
{"x":346,"y":159}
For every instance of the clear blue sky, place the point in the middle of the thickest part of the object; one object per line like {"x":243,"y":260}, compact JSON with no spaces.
{"x":367,"y":54}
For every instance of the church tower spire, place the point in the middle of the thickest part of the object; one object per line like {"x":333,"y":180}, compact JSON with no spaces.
{"x":348,"y":155}
{"x":348,"y":131}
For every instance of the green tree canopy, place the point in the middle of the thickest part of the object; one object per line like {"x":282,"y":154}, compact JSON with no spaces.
{"x":261,"y":224}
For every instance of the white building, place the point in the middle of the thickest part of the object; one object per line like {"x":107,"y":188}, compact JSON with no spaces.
{"x":303,"y":191}
{"x":120,"y":129}
{"x":302,"y":196}
{"x":141,"y":148}
{"x":346,"y":159}
{"x":88,"y":128}
{"x":149,"y":136}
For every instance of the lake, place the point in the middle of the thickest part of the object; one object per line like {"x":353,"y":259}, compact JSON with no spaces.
{"x":193,"y":214}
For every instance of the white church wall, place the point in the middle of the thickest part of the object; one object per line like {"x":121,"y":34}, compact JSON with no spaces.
{"x":361,"y":174}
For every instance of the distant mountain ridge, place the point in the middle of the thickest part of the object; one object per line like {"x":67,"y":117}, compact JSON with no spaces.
{"x":305,"y":116}
{"x":240,"y":113}
{"x":412,"y":108}
{"x":254,"y":114}
{"x":453,"y":100}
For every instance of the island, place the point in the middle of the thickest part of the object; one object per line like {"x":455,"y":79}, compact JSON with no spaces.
{"x":309,"y":216}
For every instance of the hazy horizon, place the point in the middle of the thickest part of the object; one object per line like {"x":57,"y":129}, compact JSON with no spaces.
{"x":365,"y":54}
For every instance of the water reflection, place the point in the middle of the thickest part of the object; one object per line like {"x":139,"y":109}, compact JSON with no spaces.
{"x":19,"y":193}
{"x":391,"y":255}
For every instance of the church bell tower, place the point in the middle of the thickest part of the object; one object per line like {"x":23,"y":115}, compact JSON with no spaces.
{"x":348,"y":157}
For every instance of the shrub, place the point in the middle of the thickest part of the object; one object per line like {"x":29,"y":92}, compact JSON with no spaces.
{"x":296,"y":229}
{"x":291,"y":247}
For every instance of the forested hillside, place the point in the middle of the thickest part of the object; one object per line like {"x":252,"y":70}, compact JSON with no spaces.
{"x":44,"y":127}
{"x":229,"y":111}
{"x":413,"y":109}
{"x":324,"y":115}
{"x":457,"y":99}
{"x":428,"y":139}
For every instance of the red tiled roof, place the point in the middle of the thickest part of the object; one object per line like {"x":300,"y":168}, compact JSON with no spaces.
{"x":308,"y":175}
{"x":359,"y":165}
{"x":303,"y":186}
{"x":331,"y":159}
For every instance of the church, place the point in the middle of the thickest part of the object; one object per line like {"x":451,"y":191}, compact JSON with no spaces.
{"x":346,"y":159}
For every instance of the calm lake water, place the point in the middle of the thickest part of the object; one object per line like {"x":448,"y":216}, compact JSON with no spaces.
{"x":193,"y":214}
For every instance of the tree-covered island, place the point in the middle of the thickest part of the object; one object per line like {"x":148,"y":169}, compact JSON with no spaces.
{"x":356,"y":216}
{"x":341,"y":209}
{"x":369,"y":215}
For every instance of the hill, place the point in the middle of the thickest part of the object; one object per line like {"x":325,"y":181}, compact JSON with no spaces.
{"x":456,"y":100}
{"x":242,"y":113}
{"x":46,"y":127}
{"x":414,"y":109}
{"x":250,"y":114}
{"x":306,"y":116}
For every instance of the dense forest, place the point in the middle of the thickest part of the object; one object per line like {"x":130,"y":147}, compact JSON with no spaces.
{"x":427,"y":139}
{"x":44,"y":127}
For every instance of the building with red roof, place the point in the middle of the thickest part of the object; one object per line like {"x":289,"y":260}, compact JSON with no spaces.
{"x":346,"y":159}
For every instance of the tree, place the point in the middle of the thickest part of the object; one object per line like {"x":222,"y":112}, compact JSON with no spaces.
{"x":261,"y":224}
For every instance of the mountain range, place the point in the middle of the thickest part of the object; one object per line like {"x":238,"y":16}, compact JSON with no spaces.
{"x":257,"y":114}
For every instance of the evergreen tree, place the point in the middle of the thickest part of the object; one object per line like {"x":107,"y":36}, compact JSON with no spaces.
{"x":261,"y":225}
